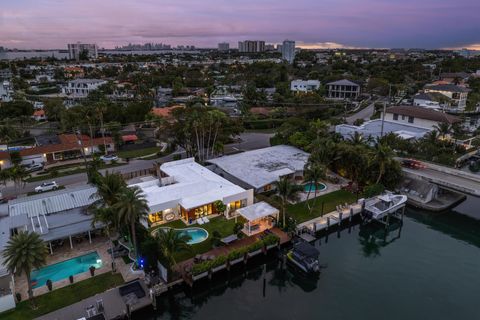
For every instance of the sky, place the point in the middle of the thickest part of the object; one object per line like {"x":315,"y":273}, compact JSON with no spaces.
{"x":45,"y":24}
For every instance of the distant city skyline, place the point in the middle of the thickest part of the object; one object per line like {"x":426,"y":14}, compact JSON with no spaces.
{"x":430,"y":24}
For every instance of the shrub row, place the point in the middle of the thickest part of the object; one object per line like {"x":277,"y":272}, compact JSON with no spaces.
{"x":205,"y":266}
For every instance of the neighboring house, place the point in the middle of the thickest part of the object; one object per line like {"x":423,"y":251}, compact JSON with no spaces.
{"x":186,"y":190}
{"x":375,"y":129}
{"x":39,"y":115}
{"x":304,"y":85}
{"x":457,"y":94}
{"x":420,"y":117}
{"x":431,"y":100}
{"x":455,"y":77}
{"x":260,"y":169}
{"x":63,"y":147}
{"x":164,"y":96}
{"x":343,"y":89}
{"x":6,"y":92}
{"x":165,"y":112}
{"x":73,"y":72}
{"x":5,"y":74}
{"x":81,"y":88}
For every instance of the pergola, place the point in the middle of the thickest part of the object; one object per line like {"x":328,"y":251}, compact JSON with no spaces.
{"x":257,"y":216}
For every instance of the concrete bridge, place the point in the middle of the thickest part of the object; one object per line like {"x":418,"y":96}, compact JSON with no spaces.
{"x":450,"y":178}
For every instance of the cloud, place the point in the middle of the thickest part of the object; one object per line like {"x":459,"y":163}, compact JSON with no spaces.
{"x":346,"y":23}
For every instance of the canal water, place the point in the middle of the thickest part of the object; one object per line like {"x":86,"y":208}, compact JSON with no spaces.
{"x":428,"y":269}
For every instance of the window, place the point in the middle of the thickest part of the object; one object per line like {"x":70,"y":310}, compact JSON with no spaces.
{"x":410,"y":119}
{"x":395,"y":116}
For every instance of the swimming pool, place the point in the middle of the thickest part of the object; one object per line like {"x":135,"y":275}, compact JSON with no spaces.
{"x":197,"y":235}
{"x":62,"y":270}
{"x":311,"y":187}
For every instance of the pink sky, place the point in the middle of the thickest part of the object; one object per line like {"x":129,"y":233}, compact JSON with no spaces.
{"x":352,"y":23}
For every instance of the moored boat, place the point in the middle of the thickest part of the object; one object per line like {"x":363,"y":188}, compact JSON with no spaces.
{"x":304,"y":256}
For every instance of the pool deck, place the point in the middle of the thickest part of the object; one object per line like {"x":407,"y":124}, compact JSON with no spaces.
{"x":100,"y":244}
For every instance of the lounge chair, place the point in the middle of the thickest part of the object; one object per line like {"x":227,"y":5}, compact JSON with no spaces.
{"x":206,"y":220}
{"x":200,"y":221}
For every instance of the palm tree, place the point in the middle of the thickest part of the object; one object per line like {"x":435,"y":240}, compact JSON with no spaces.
{"x":4,"y":176}
{"x":18,"y":174}
{"x":356,"y":138}
{"x":287,"y":191}
{"x":313,"y":172}
{"x":444,"y":129}
{"x":131,"y":207}
{"x":383,"y":156}
{"x":105,"y":216}
{"x":109,"y":188}
{"x":170,"y":242}
{"x":23,"y":253}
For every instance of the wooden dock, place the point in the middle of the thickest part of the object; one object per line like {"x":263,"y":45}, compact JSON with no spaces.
{"x":328,"y":220}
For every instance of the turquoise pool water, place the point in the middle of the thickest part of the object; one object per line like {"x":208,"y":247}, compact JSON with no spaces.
{"x":310,"y":187}
{"x":62,"y":270}
{"x":197,"y":235}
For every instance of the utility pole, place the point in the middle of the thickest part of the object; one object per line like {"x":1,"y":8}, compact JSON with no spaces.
{"x":385,"y":108}
{"x":82,"y":151}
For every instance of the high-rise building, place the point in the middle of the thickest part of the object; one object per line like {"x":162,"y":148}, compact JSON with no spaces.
{"x":76,"y":49}
{"x":288,"y":50}
{"x":223,"y":46}
{"x":251,"y":46}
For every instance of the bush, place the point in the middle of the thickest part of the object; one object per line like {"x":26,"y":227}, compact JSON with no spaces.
{"x":270,"y":239}
{"x":255,"y":246}
{"x":237,"y":253}
{"x":18,"y":296}
{"x":237,"y":228}
{"x":201,"y":267}
{"x":373,"y":190}
{"x":216,"y":238}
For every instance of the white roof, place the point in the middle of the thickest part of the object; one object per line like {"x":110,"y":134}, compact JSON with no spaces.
{"x":51,"y":203}
{"x":263,"y":166}
{"x":194,"y":186}
{"x":257,"y":211}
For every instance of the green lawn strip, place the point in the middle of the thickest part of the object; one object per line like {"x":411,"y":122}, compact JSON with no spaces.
{"x":63,"y":297}
{"x":137,"y":153}
{"x":49,"y":176}
{"x":300,"y":212}
{"x":220,"y":224}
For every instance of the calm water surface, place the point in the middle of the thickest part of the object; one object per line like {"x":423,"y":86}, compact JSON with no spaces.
{"x":428,"y":269}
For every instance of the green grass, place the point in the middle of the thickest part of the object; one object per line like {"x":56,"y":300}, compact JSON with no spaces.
{"x":300,"y":212}
{"x":63,"y":297}
{"x":79,"y":169}
{"x":137,"y":153}
{"x":220,"y":224}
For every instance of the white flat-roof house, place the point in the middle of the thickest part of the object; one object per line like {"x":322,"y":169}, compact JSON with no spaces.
{"x":343,"y":89}
{"x":186,"y":190}
{"x":81,"y":88}
{"x":304,"y":85}
{"x":260,"y":169}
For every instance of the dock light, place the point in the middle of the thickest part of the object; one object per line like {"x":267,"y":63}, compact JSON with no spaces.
{"x":99,"y":261}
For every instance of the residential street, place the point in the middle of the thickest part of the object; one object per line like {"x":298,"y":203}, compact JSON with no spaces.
{"x":365,"y":114}
{"x":248,"y":141}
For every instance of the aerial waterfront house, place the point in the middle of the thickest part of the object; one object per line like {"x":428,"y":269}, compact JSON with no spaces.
{"x":420,"y":117}
{"x":260,"y":169}
{"x":186,"y":190}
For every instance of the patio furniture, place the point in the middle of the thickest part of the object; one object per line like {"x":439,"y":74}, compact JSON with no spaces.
{"x":229,"y":239}
{"x":200,"y":221}
{"x":206,"y":220}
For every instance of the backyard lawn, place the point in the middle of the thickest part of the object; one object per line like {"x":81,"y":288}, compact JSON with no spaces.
{"x":300,"y":212}
{"x":220,"y":224}
{"x":63,"y":297}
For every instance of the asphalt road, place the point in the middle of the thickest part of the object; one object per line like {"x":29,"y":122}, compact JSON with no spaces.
{"x":246,"y":141}
{"x":364,"y":114}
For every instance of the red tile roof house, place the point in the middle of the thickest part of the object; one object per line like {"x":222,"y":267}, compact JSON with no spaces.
{"x":68,"y":148}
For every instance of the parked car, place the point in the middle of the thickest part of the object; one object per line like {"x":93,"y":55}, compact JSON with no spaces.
{"x":46,"y":186}
{"x":413,"y":164}
{"x":34,"y":167}
{"x":109,"y":157}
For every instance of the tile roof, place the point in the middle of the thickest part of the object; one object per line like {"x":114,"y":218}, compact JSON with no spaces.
{"x":67,"y":142}
{"x":423,"y":113}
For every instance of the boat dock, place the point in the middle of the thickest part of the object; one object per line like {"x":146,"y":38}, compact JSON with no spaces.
{"x":307,"y":229}
{"x":116,"y":303}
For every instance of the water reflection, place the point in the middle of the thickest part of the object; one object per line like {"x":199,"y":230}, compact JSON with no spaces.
{"x":373,"y":237}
